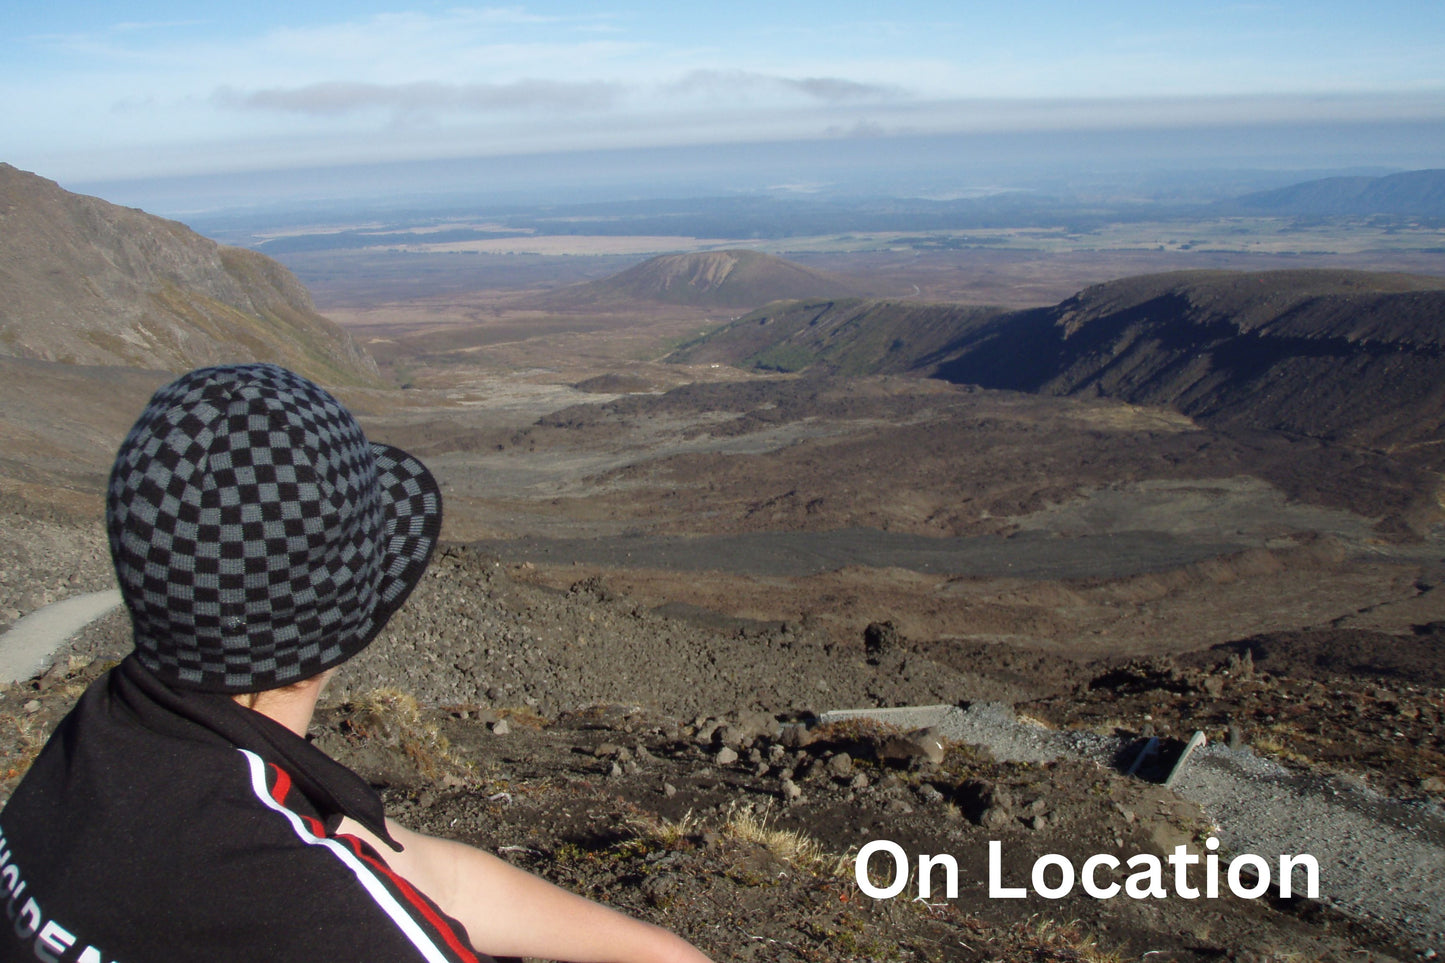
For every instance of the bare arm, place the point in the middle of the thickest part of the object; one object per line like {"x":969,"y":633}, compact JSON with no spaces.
{"x":509,"y":912}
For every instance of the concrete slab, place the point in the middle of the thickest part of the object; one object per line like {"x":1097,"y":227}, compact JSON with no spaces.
{"x":1195,"y":741}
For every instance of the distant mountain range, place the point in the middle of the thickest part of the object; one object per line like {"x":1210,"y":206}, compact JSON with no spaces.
{"x":773,"y":215}
{"x":86,"y":282}
{"x":723,"y":279}
{"x":1413,"y":193}
{"x":1336,"y":355}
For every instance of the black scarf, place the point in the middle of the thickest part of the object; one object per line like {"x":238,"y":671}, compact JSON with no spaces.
{"x":333,"y":789}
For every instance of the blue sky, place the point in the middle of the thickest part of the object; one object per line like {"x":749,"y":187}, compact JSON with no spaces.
{"x":107,"y":90}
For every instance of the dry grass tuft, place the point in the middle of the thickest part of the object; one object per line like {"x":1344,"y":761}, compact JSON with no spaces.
{"x":1049,"y":941}
{"x":395,"y":718}
{"x":1273,"y":742}
{"x":670,"y":834}
{"x":24,"y":742}
{"x":749,"y":824}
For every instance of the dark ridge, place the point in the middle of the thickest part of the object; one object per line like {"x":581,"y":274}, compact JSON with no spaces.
{"x":1344,"y":356}
{"x":1341,"y":356}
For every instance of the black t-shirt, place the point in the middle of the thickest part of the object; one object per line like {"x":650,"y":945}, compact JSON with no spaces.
{"x":163,"y":826}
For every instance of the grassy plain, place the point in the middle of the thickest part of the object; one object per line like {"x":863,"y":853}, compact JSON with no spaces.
{"x":1012,"y":267}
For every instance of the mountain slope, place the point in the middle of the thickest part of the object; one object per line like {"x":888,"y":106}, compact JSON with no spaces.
{"x":86,"y":282}
{"x":1335,"y":355}
{"x":850,"y":335}
{"x":724,"y":279}
{"x":1412,"y":193}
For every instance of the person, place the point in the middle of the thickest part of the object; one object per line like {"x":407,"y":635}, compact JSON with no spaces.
{"x":178,"y":812}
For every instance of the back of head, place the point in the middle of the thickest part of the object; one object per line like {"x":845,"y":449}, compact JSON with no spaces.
{"x":258,"y":537}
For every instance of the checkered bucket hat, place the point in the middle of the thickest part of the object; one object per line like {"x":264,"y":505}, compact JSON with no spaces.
{"x":258,"y":537}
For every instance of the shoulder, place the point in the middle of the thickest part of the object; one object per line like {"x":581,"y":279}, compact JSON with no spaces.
{"x":119,"y":827}
{"x":366,"y":893}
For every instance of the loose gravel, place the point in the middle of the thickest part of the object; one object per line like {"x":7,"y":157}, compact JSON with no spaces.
{"x":476,"y":634}
{"x":1380,"y":859}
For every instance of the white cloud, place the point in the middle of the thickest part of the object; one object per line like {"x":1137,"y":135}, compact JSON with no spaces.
{"x":340,"y":97}
{"x":508,"y":79}
{"x":831,"y":90}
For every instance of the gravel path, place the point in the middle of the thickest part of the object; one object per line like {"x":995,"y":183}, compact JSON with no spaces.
{"x":27,"y":647}
{"x":1380,"y":859}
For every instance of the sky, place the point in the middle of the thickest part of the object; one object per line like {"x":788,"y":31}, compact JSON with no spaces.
{"x":109,"y":90}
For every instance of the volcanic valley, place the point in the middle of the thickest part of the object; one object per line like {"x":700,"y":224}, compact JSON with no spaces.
{"x":687,"y":529}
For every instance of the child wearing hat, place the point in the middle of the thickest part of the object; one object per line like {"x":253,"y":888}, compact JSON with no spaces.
{"x":178,"y":813}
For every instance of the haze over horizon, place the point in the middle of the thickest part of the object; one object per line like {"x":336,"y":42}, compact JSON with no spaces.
{"x":270,"y":93}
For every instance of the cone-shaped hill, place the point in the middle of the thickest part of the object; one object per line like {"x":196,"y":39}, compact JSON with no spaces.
{"x":721,"y":279}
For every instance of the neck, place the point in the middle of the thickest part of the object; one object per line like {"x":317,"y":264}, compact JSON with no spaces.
{"x":292,"y":706}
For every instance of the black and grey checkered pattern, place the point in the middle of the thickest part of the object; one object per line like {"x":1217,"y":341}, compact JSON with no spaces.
{"x":258,"y":537}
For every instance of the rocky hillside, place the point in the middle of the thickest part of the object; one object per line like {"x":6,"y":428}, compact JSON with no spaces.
{"x":724,"y":279}
{"x":687,"y":779}
{"x":86,"y":282}
{"x":1336,"y":355}
{"x":850,"y":335}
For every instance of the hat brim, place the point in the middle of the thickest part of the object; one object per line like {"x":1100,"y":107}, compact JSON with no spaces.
{"x":412,"y":503}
